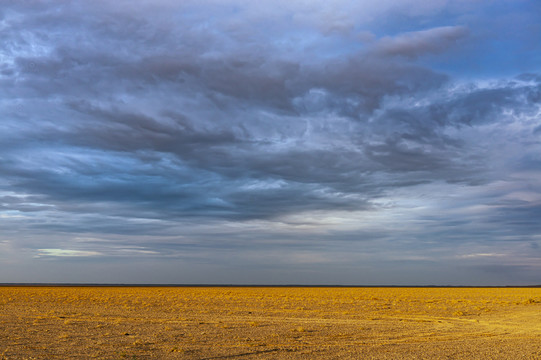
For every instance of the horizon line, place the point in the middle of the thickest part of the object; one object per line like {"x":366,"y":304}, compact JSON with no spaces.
{"x":69,"y":284}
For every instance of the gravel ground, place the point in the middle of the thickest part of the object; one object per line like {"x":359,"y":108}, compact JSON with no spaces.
{"x":269,"y":323}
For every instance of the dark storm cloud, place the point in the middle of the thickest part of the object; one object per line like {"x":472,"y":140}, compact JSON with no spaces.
{"x":222,"y":137}
{"x":107,"y":53}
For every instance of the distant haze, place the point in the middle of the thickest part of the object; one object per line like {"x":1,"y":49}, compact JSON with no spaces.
{"x":269,"y":142}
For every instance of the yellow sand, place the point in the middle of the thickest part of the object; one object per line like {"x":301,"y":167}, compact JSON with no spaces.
{"x":273,"y":323}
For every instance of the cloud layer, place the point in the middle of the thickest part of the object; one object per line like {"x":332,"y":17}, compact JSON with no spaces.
{"x":304,"y":143}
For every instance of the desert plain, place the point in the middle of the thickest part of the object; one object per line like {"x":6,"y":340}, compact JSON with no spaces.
{"x":46,"y":322}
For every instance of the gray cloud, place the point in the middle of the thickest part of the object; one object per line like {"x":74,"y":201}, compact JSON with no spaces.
{"x":417,"y":43}
{"x":151,"y":129}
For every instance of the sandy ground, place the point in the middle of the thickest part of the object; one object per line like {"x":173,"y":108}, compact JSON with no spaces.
{"x":269,"y":323}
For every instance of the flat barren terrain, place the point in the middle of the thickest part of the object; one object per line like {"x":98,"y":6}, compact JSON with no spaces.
{"x":269,"y":322}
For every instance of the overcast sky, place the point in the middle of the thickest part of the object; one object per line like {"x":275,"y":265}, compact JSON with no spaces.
{"x":271,"y":142}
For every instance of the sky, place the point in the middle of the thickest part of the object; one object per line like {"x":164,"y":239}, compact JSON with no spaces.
{"x":271,"y":142}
